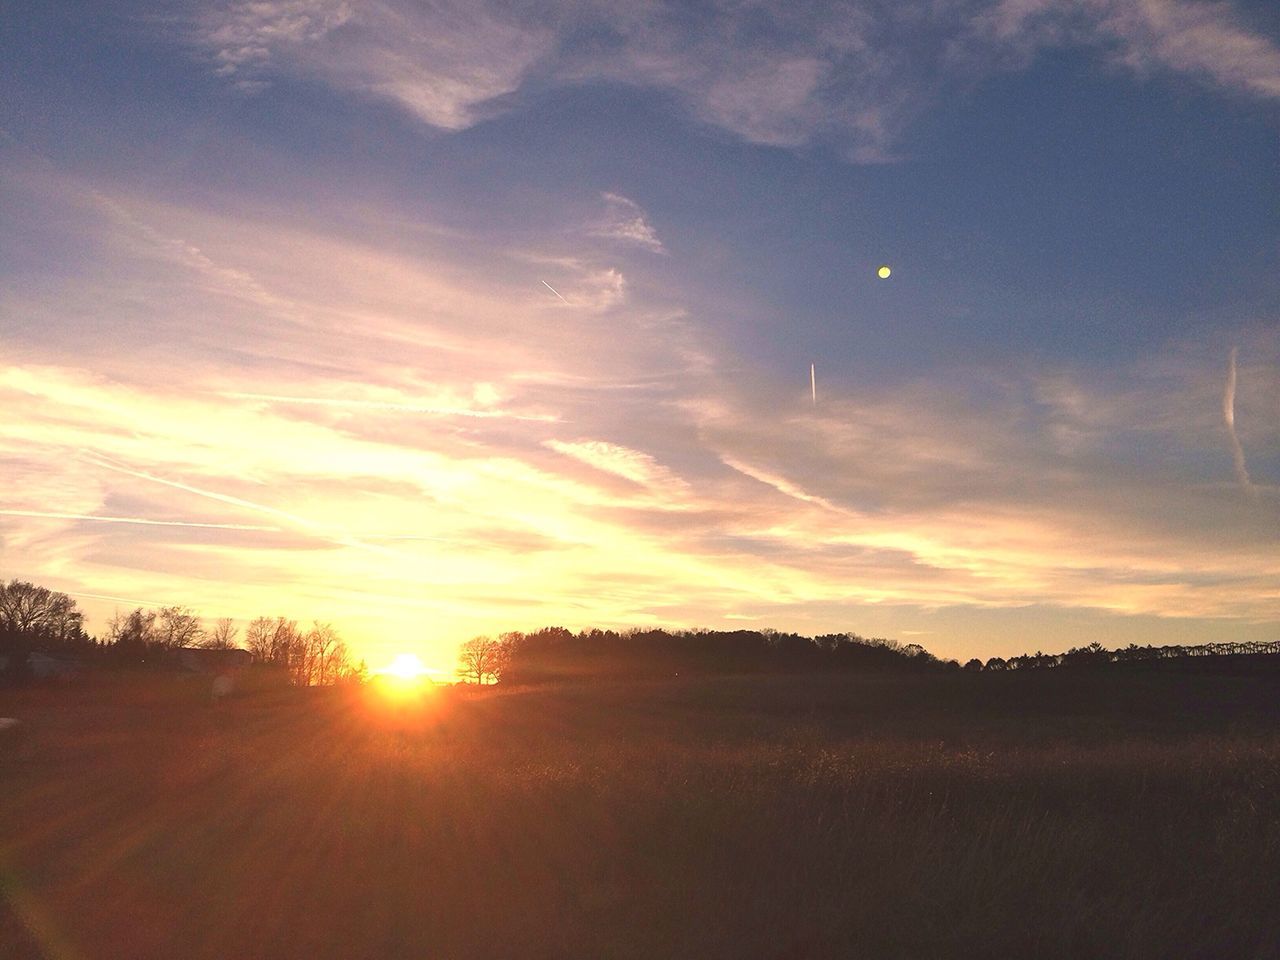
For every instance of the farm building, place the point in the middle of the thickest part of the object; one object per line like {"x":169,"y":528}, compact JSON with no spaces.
{"x":203,"y":660}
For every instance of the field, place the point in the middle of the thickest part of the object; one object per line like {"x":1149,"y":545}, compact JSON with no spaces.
{"x":1111,"y":814}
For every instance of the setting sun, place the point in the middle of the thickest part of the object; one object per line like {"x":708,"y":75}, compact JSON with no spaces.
{"x":405,"y":668}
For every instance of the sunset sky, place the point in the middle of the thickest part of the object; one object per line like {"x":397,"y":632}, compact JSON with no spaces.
{"x":437,"y":319}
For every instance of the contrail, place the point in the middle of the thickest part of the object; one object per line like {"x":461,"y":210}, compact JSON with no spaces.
{"x":813,"y":384}
{"x":311,"y":526}
{"x":406,"y":536}
{"x":385,"y":405}
{"x":552,"y":289}
{"x":1229,"y":415}
{"x":192,"y":523}
{"x":102,"y":596}
{"x":140,"y":520}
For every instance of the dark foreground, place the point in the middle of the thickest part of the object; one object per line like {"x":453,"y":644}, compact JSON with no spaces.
{"x":1055,"y":815}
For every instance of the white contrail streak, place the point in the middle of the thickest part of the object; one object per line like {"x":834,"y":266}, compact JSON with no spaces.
{"x":813,"y":383}
{"x":201,"y":525}
{"x":310,"y":526}
{"x":139,"y":520}
{"x":1229,"y":415}
{"x":384,"y":405}
{"x":404,"y":536}
{"x":552,"y":289}
{"x":101,"y":596}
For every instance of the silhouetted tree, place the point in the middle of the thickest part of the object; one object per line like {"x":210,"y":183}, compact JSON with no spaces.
{"x":32,"y":616}
{"x":354,"y":673}
{"x":37,"y":611}
{"x":555,"y":653}
{"x":222,"y":636}
{"x":130,"y":637}
{"x":480,"y":660}
{"x":974,"y":665}
{"x":320,"y":657}
{"x":177,"y":627}
{"x":273,"y":642}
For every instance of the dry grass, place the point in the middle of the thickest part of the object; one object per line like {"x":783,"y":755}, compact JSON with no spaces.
{"x":1056,"y":816}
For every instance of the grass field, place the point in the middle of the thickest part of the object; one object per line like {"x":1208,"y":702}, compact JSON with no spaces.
{"x":1059,"y":815}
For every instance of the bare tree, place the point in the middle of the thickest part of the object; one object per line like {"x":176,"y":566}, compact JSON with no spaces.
{"x":31,"y":615}
{"x":132,"y":634}
{"x":222,"y":636}
{"x":324,"y":659}
{"x":177,"y":627}
{"x":257,"y":639}
{"x":315,"y":658}
{"x":273,"y":641}
{"x":354,"y":672}
{"x":33,"y":611}
{"x":480,"y":660}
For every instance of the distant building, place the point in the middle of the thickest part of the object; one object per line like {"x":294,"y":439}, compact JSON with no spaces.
{"x":42,"y":666}
{"x":221,"y":665}
{"x":204,"y":660}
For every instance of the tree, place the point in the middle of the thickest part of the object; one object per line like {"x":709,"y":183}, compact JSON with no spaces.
{"x":37,"y":612}
{"x":273,"y":642}
{"x":318,"y":657}
{"x":321,"y":658}
{"x":31,"y":615}
{"x":132,"y":635}
{"x":222,"y":636}
{"x":480,"y":660}
{"x":177,"y":627}
{"x":356,"y":673}
{"x":974,"y":665}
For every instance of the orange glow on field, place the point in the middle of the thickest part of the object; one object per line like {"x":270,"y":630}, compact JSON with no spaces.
{"x":403,"y":681}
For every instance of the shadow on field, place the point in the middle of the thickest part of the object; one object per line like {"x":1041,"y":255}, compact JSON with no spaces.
{"x":1056,"y":815}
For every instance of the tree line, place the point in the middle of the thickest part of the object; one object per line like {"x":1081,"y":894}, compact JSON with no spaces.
{"x":557,"y":654}
{"x":1096,"y":655}
{"x":35,"y":618}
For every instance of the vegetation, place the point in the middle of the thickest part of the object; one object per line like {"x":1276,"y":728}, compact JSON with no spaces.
{"x":1054,"y":814}
{"x":554,"y":654}
{"x":35,"y":618}
{"x":746,"y":794}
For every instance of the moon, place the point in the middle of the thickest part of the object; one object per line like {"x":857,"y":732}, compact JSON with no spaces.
{"x":884,"y":271}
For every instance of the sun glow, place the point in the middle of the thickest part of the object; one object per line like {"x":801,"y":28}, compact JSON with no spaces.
{"x":406,"y":668}
{"x":401,"y":688}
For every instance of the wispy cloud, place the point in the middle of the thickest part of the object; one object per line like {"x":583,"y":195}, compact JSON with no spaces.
{"x":1229,"y":416}
{"x":634,"y":465}
{"x":857,"y":73}
{"x":439,"y":61}
{"x":314,"y":527}
{"x":379,"y":405}
{"x":777,"y":482}
{"x":447,"y":405}
{"x":1203,"y":39}
{"x":142,"y":521}
{"x":624,"y":220}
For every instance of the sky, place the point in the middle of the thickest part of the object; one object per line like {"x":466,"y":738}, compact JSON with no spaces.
{"x":441,"y":319}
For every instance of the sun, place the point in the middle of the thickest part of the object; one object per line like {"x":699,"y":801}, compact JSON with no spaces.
{"x":404,"y":668}
{"x":403,"y":683}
